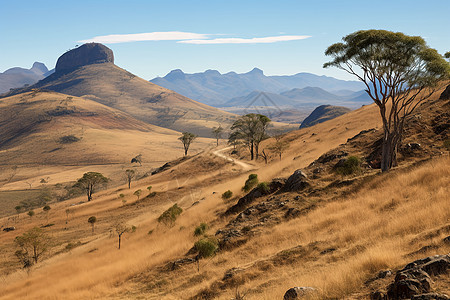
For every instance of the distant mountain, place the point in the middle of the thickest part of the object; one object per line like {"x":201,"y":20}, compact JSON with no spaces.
{"x":89,"y":72}
{"x":323,"y":113}
{"x":18,"y":77}
{"x":215,"y":89}
{"x":311,"y":94}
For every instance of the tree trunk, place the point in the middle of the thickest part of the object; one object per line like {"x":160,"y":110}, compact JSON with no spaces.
{"x":389,"y":152}
{"x":251,"y":151}
{"x":129,"y":183}
{"x":120,"y":236}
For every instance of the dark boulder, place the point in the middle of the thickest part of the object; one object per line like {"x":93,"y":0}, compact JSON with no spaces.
{"x":87,"y":54}
{"x":299,"y":292}
{"x":298,"y":181}
{"x":445,"y":94}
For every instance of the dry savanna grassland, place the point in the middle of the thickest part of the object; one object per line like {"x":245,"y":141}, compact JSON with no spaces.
{"x":335,"y":235}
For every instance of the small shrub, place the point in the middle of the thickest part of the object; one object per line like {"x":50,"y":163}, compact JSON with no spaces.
{"x":170,"y":215}
{"x":264,"y":187}
{"x":206,"y":247}
{"x":250,"y":183}
{"x":133,"y":228}
{"x":71,"y":246}
{"x":68,"y":139}
{"x":150,"y":232}
{"x":200,"y":229}
{"x":152,"y":194}
{"x":350,"y":166}
{"x":227,"y":195}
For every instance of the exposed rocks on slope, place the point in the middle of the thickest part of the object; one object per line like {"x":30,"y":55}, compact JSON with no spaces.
{"x":87,"y":54}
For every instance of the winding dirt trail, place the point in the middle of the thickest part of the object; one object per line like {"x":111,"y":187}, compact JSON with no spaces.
{"x":243,"y":165}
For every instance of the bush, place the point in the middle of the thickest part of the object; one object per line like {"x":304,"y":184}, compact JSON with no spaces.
{"x":200,"y":229}
{"x":206,"y":247}
{"x":264,"y":187}
{"x":170,"y":215}
{"x":350,"y":166}
{"x":250,"y":183}
{"x":68,"y":139}
{"x":227,"y":195}
{"x":152,"y":194}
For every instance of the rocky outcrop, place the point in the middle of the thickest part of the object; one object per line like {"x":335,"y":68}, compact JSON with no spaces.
{"x":298,"y":181}
{"x":445,"y":94}
{"x":324,"y":113}
{"x":414,"y":280}
{"x":299,"y":292}
{"x":87,"y":54}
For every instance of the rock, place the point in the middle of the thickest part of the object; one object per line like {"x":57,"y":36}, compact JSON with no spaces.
{"x":231,"y":273}
{"x":384,"y":274}
{"x":298,"y":292}
{"x":445,"y":94}
{"x":8,"y":229}
{"x":87,"y":54}
{"x":430,"y":296}
{"x":329,"y":156}
{"x":296,"y":182}
{"x":378,"y":296}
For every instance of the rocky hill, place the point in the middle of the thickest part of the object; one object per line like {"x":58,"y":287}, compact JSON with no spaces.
{"x":89,"y":72}
{"x":324,"y":113}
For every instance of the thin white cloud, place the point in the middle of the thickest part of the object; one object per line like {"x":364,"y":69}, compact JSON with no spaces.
{"x":188,"y":38}
{"x":263,"y":40}
{"x":149,"y":36}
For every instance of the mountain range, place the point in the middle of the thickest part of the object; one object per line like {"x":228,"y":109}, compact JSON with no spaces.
{"x":216,"y":89}
{"x":18,"y":77}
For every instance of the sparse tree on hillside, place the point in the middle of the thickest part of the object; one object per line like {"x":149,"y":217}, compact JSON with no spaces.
{"x":130,"y":175}
{"x":92,"y":220}
{"x":217,"y":133}
{"x":447,"y":55}
{"x":32,"y":245}
{"x":120,"y":228}
{"x":90,"y":181}
{"x":46,"y":209}
{"x":18,"y":209}
{"x":279,"y":147}
{"x":399,"y":72}
{"x":138,"y":193}
{"x":149,"y":188}
{"x":187,"y":138}
{"x":30,"y":213}
{"x":137,"y":159}
{"x":251,"y":130}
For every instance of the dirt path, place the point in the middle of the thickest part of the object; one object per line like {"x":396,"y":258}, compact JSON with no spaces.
{"x":243,"y":165}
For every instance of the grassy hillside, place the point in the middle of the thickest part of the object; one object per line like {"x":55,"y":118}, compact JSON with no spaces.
{"x":335,"y":235}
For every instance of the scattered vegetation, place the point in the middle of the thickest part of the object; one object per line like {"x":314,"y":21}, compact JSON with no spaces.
{"x":92,"y":220}
{"x":264,"y":187}
{"x":138,"y":193}
{"x":201,"y":229}
{"x":250,"y":183}
{"x":217,"y":133}
{"x":120,"y":229}
{"x":137,"y":159}
{"x":90,"y":181}
{"x":46,"y":209}
{"x":130,"y":174}
{"x":227,"y":195}
{"x":169,"y":217}
{"x":68,"y":139}
{"x":351,"y":165}
{"x":187,"y":138}
{"x":32,"y":245}
{"x":30,"y":213}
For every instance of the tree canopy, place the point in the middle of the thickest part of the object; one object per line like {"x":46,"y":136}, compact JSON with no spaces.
{"x":187,"y":138}
{"x":90,"y":181}
{"x":251,"y":130}
{"x":399,"y":72}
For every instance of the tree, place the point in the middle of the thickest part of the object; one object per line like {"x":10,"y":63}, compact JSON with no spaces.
{"x":32,"y":245}
{"x":46,"y":209}
{"x":187,"y":138}
{"x":149,"y":188}
{"x":447,"y":55}
{"x":130,"y":175}
{"x":279,"y":147}
{"x":18,"y":209}
{"x":251,"y":130}
{"x":169,"y":216}
{"x":92,"y":220}
{"x":90,"y":181}
{"x":137,"y":159}
{"x":30,"y":213}
{"x":217,"y":133}
{"x":120,"y":230}
{"x":399,"y":72}
{"x":138,"y":193}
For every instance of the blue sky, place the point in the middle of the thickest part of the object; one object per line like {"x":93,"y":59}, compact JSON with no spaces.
{"x":279,"y":37}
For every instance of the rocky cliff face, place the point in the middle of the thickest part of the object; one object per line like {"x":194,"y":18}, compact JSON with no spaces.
{"x":87,"y":54}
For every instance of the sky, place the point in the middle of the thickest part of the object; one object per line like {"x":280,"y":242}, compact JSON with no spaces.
{"x":151,"y":38}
